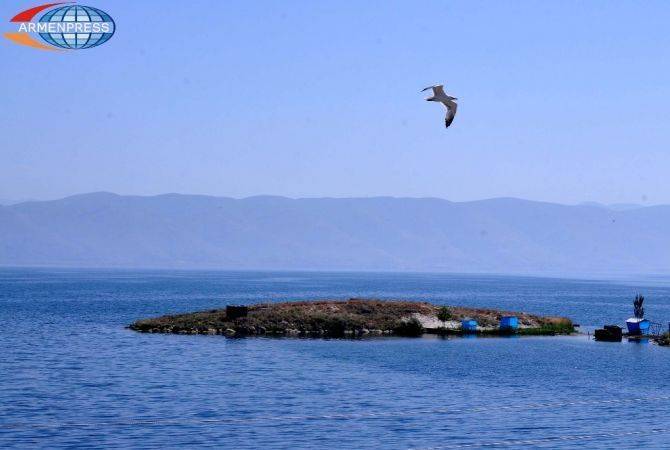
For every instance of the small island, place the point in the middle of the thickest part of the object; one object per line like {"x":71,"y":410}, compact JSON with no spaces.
{"x":353,"y":318}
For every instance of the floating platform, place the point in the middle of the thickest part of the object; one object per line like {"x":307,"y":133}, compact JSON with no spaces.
{"x":637,"y":326}
{"x":609,"y":333}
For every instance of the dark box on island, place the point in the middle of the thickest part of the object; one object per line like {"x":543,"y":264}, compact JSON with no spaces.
{"x":236,"y":311}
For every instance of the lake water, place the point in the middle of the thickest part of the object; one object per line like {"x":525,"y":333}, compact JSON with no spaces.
{"x":72,"y":375}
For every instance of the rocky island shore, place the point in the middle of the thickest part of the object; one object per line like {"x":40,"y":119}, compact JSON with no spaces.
{"x":349,"y":318}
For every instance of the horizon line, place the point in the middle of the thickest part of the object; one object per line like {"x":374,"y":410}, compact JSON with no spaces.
{"x":586,"y":203}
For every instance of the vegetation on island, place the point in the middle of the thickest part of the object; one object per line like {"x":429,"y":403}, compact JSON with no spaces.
{"x":348,"y":318}
{"x":444,"y":314}
{"x":664,"y":340}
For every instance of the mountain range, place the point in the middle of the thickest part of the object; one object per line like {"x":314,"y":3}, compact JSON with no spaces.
{"x":503,"y":235}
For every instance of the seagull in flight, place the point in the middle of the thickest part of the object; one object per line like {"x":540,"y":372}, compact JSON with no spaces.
{"x":446,"y":100}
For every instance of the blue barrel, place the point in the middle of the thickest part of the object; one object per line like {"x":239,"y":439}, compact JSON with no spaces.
{"x":637,"y":326}
{"x":644,"y":326}
{"x":469,"y":325}
{"x":509,"y":323}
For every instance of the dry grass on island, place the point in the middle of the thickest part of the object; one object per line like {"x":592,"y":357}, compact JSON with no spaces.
{"x":348,"y":318}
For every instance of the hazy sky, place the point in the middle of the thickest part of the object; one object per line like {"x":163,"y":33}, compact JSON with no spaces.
{"x":559,"y":101}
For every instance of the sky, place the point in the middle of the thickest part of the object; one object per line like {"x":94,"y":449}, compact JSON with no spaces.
{"x":558,"y":101}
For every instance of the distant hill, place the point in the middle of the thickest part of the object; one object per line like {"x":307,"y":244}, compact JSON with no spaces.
{"x":8,"y":201}
{"x":614,"y":206}
{"x":502,"y":235}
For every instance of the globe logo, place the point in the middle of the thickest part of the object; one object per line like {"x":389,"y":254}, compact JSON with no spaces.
{"x":71,"y":27}
{"x":76,"y":27}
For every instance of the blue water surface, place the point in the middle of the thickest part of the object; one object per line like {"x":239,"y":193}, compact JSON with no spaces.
{"x":71,"y":375}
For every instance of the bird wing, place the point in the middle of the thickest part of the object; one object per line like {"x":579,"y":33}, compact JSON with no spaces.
{"x":451,"y":112}
{"x":438,"y":89}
